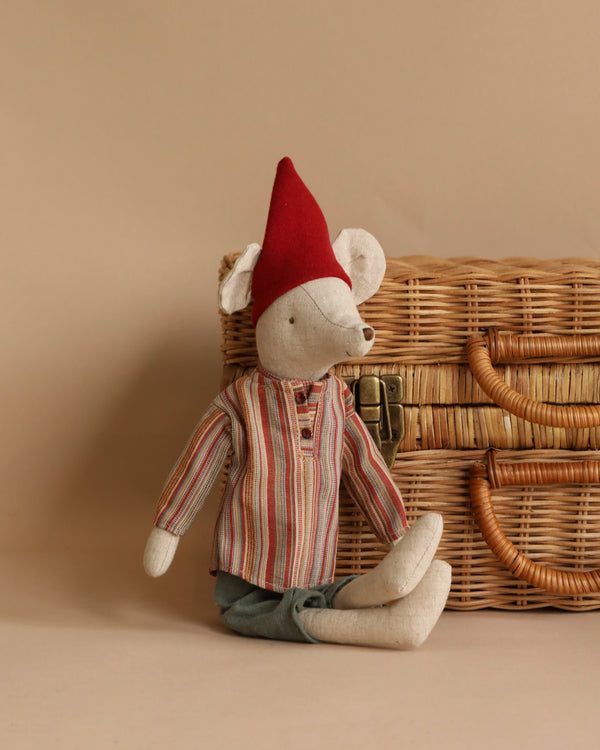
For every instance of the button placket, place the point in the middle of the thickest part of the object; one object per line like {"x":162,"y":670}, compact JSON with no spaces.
{"x":306,"y":400}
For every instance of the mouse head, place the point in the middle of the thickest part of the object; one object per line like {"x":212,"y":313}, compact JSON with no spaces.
{"x":305,"y":290}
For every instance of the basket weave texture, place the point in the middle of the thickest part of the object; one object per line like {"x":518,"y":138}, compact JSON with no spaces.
{"x":427,"y":308}
{"x":424,"y":313}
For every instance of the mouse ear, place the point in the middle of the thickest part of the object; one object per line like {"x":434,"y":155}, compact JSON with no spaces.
{"x":363,"y":259}
{"x":235,"y":291}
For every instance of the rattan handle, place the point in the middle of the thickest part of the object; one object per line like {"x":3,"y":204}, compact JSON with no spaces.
{"x":483,"y":351}
{"x":483,"y":478}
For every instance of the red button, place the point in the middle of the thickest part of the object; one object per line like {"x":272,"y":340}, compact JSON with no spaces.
{"x":306,"y":433}
{"x":300,"y":398}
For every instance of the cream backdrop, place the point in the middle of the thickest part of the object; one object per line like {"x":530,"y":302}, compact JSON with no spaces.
{"x":138,"y":143}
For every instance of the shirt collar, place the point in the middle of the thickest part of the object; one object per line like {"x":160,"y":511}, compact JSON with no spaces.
{"x":295,"y":383}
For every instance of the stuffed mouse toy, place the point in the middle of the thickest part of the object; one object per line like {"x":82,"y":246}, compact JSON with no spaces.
{"x":294,"y":435}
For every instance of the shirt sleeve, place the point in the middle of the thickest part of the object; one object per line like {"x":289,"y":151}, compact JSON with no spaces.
{"x":195,"y":473}
{"x":369,"y":481}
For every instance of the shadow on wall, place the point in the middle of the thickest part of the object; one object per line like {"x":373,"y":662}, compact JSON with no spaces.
{"x":106,"y":509}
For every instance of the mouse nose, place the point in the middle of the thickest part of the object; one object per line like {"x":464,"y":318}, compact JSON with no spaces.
{"x":368,"y":333}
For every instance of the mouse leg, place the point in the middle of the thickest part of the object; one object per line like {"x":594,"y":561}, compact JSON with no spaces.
{"x":399,"y":571}
{"x":404,"y":624}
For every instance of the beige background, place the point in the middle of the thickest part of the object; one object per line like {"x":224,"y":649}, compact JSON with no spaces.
{"x":138,"y":142}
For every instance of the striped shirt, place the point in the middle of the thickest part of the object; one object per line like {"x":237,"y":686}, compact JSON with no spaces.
{"x":291,"y":442}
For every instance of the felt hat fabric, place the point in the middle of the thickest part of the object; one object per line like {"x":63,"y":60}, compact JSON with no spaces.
{"x":296,"y":247}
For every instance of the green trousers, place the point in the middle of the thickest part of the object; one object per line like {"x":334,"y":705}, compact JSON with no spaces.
{"x":256,"y":612}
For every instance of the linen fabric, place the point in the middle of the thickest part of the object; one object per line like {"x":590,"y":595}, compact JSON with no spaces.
{"x":291,"y":442}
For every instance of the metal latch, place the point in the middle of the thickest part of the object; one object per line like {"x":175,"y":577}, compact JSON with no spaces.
{"x":378,"y":403}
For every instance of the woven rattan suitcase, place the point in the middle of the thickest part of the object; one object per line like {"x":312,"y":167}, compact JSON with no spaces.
{"x":522,"y":527}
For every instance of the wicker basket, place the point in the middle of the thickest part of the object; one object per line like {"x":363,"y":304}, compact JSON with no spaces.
{"x":530,"y":395}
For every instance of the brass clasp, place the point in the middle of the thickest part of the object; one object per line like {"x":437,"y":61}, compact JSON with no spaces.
{"x":378,"y":403}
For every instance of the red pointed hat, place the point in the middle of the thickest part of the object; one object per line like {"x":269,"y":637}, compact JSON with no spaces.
{"x":296,"y":248}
